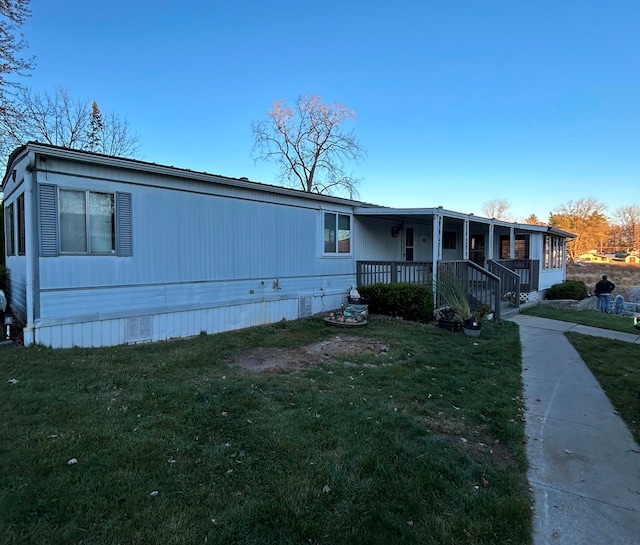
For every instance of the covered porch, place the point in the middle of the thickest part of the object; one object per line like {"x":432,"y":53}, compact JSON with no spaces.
{"x":491,"y":257}
{"x":498,"y":286}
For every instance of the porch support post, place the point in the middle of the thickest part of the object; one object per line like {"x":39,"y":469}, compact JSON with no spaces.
{"x":490,"y":242}
{"x":465,"y":241}
{"x":512,"y":243}
{"x":436,"y":251}
{"x":437,"y":238}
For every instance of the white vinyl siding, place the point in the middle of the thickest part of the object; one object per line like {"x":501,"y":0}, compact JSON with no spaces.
{"x":208,"y":257}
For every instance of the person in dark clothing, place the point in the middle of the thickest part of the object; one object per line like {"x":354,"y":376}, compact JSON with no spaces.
{"x":603,"y":291}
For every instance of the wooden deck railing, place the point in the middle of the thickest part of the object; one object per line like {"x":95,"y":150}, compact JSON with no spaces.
{"x":483,"y":286}
{"x":412,"y":272}
{"x":509,"y":281}
{"x":527,"y":269}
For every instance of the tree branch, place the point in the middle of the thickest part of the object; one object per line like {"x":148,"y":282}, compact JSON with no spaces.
{"x":310,"y":144}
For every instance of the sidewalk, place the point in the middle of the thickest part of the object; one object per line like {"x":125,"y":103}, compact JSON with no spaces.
{"x":584,"y":466}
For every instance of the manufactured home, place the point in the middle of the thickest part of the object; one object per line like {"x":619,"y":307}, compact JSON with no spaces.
{"x":105,"y":251}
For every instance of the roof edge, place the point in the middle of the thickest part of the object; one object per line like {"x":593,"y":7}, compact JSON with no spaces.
{"x":139,"y":165}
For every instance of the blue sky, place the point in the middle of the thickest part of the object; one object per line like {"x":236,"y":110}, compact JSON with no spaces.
{"x":458,"y":102}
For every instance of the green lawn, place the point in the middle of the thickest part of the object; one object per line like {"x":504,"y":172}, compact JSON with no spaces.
{"x":421,"y":444}
{"x":585,"y":317}
{"x":615,"y":366}
{"x":614,"y":363}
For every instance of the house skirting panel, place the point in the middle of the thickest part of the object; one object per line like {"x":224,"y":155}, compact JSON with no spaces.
{"x":19,"y":299}
{"x":95,"y":330}
{"x":536,"y":296}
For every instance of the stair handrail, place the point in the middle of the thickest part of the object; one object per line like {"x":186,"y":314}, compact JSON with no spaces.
{"x":511,"y":282}
{"x":482,"y":286}
{"x":493,"y":278}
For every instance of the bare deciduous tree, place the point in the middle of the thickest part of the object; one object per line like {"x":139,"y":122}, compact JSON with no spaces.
{"x":585,"y":218}
{"x":118,"y":138}
{"x":13,"y":14}
{"x":61,"y":120}
{"x":496,"y":208}
{"x":312,"y":144}
{"x":55,"y":119}
{"x":627,"y":219}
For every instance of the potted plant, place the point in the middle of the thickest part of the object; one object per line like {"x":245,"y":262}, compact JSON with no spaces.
{"x":447,"y":319}
{"x":452,"y":293}
{"x":472,"y":327}
{"x":484,"y":312}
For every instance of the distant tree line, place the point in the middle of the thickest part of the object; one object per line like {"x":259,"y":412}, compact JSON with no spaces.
{"x":61,"y":120}
{"x":53,"y":118}
{"x":585,"y":218}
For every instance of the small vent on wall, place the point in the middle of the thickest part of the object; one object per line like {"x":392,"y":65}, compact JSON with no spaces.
{"x":304,"y":306}
{"x":138,"y":329}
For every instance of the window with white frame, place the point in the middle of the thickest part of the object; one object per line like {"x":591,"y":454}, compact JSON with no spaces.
{"x":337,"y":233}
{"x":81,"y":222}
{"x":553,"y":252}
{"x":87,"y":223}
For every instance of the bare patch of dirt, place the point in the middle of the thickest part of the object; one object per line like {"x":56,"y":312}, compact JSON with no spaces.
{"x":338,"y":347}
{"x":491,"y":451}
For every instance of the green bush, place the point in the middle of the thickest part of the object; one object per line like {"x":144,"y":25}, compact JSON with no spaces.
{"x":569,"y":289}
{"x":409,"y":301}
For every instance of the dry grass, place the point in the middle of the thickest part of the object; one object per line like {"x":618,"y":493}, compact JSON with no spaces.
{"x":625,"y":277}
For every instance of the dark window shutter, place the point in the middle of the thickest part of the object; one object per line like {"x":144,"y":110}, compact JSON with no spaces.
{"x":48,"y":220}
{"x":123,"y":225}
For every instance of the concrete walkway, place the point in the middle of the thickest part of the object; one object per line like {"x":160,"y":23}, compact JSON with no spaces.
{"x":584,"y":466}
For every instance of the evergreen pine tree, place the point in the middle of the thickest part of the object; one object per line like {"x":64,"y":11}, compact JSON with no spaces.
{"x":96,"y":129}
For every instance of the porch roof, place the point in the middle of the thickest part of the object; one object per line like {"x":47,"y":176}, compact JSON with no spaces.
{"x":417,"y":214}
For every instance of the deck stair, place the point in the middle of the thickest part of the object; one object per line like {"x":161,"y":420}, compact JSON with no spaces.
{"x":488,"y":296}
